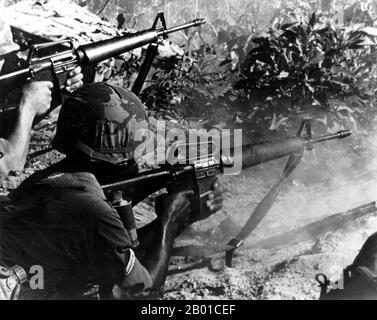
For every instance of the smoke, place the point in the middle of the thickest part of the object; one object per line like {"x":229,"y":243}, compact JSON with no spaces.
{"x":331,"y":179}
{"x":336,"y":177}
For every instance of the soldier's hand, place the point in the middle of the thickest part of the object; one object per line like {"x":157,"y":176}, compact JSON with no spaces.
{"x":37,"y":96}
{"x":215,"y":198}
{"x":174,"y":208}
{"x":74,"y":80}
{"x":213,"y":204}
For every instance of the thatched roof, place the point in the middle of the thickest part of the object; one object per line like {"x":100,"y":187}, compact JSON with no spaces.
{"x":51,"y":20}
{"x":57,"y":20}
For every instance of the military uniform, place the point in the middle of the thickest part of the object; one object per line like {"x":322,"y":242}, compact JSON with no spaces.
{"x":63,"y":223}
{"x":60,"y":219}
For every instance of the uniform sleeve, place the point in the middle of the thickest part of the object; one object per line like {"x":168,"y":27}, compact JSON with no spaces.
{"x":113,"y":245}
{"x":134,"y":283}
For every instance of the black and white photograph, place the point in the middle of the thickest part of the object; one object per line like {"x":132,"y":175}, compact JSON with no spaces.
{"x":205,"y":151}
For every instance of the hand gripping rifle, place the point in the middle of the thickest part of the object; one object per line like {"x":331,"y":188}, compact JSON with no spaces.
{"x":199,"y":174}
{"x":53,"y":61}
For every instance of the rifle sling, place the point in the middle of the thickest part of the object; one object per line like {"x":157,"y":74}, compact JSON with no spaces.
{"x":255,"y":219}
{"x":150,"y":56}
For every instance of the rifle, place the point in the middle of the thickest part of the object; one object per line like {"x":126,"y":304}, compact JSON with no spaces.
{"x":200,"y":174}
{"x":53,"y":61}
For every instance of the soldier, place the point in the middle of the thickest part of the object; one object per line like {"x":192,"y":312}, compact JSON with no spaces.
{"x":65,"y":224}
{"x":35,"y":100}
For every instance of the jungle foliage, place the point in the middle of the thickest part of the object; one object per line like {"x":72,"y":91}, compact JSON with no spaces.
{"x":301,"y":66}
{"x":255,"y":63}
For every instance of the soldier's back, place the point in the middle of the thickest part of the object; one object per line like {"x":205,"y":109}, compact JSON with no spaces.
{"x":44,"y":224}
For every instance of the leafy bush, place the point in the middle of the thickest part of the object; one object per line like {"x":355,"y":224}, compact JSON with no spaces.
{"x":188,"y":85}
{"x":310,"y":64}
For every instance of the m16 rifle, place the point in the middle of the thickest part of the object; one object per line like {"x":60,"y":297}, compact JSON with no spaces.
{"x":53,"y":61}
{"x":199,"y":174}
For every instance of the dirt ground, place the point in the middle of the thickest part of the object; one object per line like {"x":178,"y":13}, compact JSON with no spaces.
{"x":318,"y":189}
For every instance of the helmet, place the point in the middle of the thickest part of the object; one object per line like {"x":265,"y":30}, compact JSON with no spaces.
{"x":6,"y":40}
{"x":101,"y":120}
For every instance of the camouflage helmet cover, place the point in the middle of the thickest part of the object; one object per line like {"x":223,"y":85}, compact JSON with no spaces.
{"x":6,"y":39}
{"x":101,"y":120}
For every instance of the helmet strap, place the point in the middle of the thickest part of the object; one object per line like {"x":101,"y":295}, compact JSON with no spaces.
{"x":94,"y":154}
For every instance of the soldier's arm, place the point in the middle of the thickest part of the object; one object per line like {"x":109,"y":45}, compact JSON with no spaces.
{"x":122,"y":274}
{"x":172,"y":211}
{"x":36,"y":98}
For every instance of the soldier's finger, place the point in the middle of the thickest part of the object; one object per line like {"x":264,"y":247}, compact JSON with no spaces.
{"x":216,"y":208}
{"x":214,"y":202}
{"x":77,"y":85}
{"x":74,"y":86}
{"x":218,"y":199}
{"x":49,"y":84}
{"x":75,"y":79}
{"x":215,"y":194}
{"x":75,"y":71}
{"x":216,"y":187}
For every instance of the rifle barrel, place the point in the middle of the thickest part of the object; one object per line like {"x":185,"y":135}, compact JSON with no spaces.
{"x":339,"y":135}
{"x":102,"y":50}
{"x":195,"y":23}
{"x":98,"y":51}
{"x":263,"y":152}
{"x":256,"y":154}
